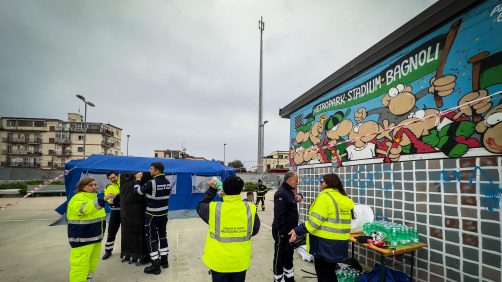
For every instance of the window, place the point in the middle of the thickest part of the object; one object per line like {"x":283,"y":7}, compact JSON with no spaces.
{"x":51,"y":152}
{"x":40,"y":123}
{"x":25,"y":123}
{"x":52,"y":128}
{"x":51,"y":140}
{"x":81,"y":138}
{"x":11,"y":123}
{"x":156,"y":155}
{"x":80,"y":149}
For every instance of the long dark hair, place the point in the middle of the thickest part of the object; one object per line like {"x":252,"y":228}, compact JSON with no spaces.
{"x":333,"y":181}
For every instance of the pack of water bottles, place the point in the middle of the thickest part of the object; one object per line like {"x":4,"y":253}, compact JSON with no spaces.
{"x":348,"y":274}
{"x":394,"y":234}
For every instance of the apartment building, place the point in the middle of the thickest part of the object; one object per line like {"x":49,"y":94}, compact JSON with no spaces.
{"x":50,"y":143}
{"x":276,"y":159}
{"x":175,"y":154}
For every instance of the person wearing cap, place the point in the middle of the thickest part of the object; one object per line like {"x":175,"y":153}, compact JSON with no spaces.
{"x":232,"y":223}
{"x":261,"y":190}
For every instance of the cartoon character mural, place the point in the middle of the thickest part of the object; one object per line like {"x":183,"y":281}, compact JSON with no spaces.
{"x":441,"y":94}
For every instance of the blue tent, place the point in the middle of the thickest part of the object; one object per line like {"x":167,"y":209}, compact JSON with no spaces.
{"x":183,"y":169}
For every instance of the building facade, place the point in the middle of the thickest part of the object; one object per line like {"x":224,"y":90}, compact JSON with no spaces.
{"x":50,"y":143}
{"x":175,"y":154}
{"x":413,"y":128}
{"x":276,"y":159}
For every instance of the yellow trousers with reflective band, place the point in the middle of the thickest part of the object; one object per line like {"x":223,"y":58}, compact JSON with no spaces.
{"x":83,"y":261}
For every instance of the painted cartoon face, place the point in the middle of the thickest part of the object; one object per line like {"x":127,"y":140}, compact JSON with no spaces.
{"x":399,"y":100}
{"x":420,"y":123}
{"x":340,"y":130}
{"x":299,"y":156}
{"x":491,"y":127}
{"x":364,"y":133}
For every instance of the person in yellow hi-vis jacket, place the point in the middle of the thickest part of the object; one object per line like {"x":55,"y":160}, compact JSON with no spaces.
{"x":114,"y":222}
{"x":232,"y":223}
{"x":328,"y":227}
{"x":86,"y":226}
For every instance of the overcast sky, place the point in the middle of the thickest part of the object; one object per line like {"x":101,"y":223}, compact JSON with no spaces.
{"x":182,"y":72}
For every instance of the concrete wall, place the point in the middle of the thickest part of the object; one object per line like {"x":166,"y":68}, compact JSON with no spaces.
{"x":272,"y":180}
{"x":12,"y":173}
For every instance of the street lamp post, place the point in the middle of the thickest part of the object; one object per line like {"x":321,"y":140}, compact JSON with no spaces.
{"x":224,"y":153}
{"x":262,"y":143}
{"x":127,"y":147}
{"x":85,"y":116}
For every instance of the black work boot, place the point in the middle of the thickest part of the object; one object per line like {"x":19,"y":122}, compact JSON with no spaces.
{"x":163,"y":262}
{"x":107,"y":255}
{"x":154,"y":268}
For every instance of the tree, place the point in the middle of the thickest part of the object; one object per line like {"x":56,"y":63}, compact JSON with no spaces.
{"x":238,"y":165}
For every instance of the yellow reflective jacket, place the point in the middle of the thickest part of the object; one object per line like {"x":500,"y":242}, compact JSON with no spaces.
{"x":228,"y":240}
{"x":329,"y":216}
{"x":86,"y":219}
{"x":113,"y":188}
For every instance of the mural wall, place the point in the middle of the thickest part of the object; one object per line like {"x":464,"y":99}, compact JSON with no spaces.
{"x":440,"y":97}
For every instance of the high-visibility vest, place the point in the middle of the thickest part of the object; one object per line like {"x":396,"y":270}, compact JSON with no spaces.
{"x":325,"y":219}
{"x":86,"y":219}
{"x":113,"y":188}
{"x":228,"y":240}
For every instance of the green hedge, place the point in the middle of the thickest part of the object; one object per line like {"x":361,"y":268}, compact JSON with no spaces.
{"x":23,"y":185}
{"x":15,"y":185}
{"x":249,"y":187}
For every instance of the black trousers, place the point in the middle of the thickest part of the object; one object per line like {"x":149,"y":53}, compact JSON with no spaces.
{"x":262,"y":199}
{"x":325,"y":271}
{"x":156,"y":235}
{"x":228,"y":277}
{"x":113,"y":228}
{"x":283,"y":257}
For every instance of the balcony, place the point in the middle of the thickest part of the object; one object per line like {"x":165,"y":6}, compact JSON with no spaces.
{"x":24,"y":164}
{"x":62,"y":141}
{"x":106,"y":143}
{"x":107,"y":132}
{"x":35,"y":140}
{"x":23,"y":152}
{"x":65,"y":153}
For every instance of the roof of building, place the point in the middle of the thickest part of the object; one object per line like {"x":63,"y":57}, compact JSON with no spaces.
{"x":424,"y":22}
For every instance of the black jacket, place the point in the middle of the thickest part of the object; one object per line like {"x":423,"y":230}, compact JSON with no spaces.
{"x":203,"y":209}
{"x":261,"y":190}
{"x":285,"y":210}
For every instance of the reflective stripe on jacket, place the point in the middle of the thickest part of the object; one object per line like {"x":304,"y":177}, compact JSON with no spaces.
{"x":228,"y":240}
{"x":86,"y":219}
{"x":329,"y":216}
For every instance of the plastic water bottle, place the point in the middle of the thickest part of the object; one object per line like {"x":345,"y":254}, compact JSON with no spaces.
{"x":415,"y":236}
{"x":219,"y":184}
{"x":394,"y":243}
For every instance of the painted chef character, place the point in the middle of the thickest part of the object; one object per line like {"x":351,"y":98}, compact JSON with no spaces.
{"x":490,"y":127}
{"x":399,"y":102}
{"x":363,"y":137}
{"x":315,"y":132}
{"x":337,"y":127}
